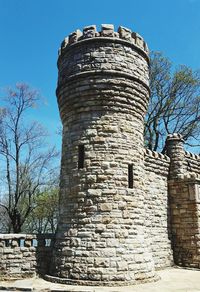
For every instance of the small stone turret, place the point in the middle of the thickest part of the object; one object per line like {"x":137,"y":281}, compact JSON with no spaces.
{"x":103,"y":91}
{"x":184,"y":200}
{"x":176,"y":152}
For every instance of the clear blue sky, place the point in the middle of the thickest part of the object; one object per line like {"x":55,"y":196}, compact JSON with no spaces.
{"x":32,"y":30}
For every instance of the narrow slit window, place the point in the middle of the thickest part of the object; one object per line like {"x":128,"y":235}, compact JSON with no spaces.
{"x":81,"y":155}
{"x":130,"y":176}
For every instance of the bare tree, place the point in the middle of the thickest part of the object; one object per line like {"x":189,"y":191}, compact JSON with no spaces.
{"x":26,"y":162}
{"x":174,"y":103}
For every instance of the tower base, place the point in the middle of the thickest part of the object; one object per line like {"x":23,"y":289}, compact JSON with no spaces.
{"x":66,"y":281}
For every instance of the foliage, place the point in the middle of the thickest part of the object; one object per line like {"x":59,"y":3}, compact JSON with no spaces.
{"x":43,"y":218}
{"x":174,"y":103}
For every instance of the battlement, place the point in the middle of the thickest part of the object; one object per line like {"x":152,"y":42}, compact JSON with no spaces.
{"x":192,"y":163}
{"x":107,"y":32}
{"x":156,"y":163}
{"x":156,"y":155}
{"x":192,"y":155}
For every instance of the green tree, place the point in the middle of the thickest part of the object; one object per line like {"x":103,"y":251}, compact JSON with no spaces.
{"x":43,"y":218}
{"x":174,"y":104}
{"x":27,"y":164}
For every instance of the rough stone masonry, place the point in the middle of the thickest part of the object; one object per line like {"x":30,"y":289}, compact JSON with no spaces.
{"x":123,"y":209}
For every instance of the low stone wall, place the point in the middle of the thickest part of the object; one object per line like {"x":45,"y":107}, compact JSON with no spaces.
{"x":157,"y":209}
{"x":24,"y":255}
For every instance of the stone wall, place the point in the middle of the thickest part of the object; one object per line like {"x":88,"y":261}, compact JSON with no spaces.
{"x":184,"y":195}
{"x":157,"y":208}
{"x":184,"y":200}
{"x":24,"y":255}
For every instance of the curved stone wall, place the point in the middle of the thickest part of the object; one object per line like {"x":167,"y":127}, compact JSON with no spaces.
{"x":102,"y":95}
{"x":157,"y":209}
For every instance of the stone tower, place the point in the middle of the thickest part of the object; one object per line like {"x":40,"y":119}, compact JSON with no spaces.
{"x":103,"y":91}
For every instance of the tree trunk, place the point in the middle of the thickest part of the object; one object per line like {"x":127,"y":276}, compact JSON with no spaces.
{"x":16,"y":222}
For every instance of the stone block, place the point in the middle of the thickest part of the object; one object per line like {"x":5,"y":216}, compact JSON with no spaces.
{"x":28,"y":243}
{"x":26,"y":266}
{"x":91,"y":245}
{"x":64,"y":43}
{"x":91,"y":132}
{"x":83,"y":234}
{"x":107,"y":30}
{"x":74,"y":36}
{"x":90,"y":209}
{"x":122,"y":266}
{"x":125,"y":33}
{"x":72,"y":232}
{"x":94,"y":277}
{"x":8,"y":250}
{"x":113,"y":242}
{"x":101,"y":178}
{"x":100,"y":228}
{"x":15,"y":243}
{"x":75,"y":242}
{"x":122,"y":205}
{"x":91,"y":178}
{"x":89,"y":31}
{"x":67,"y":252}
{"x":139,"y":258}
{"x":102,"y":262}
{"x":105,"y":207}
{"x":107,"y":235}
{"x":106,"y":219}
{"x":94,"y":192}
{"x":15,"y":270}
{"x":98,"y":54}
{"x":105,"y":165}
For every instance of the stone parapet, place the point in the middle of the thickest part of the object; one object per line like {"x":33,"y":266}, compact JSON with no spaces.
{"x":24,"y":255}
{"x":156,"y":162}
{"x":192,"y":163}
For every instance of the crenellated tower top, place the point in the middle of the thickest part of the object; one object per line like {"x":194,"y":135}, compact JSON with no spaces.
{"x":102,"y":60}
{"x":90,"y":32}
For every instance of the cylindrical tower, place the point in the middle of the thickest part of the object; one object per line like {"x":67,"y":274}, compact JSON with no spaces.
{"x":176,"y":152}
{"x":103,"y":90}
